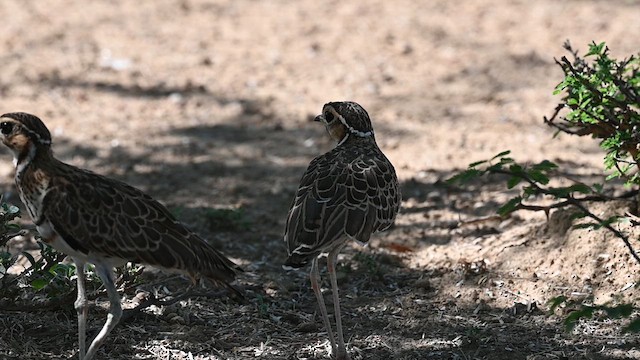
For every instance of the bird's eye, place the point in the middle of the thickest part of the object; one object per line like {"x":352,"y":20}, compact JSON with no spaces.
{"x":6,"y":127}
{"x":329,"y":116}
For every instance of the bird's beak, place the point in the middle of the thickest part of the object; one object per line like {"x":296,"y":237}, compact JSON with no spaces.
{"x":319,"y":118}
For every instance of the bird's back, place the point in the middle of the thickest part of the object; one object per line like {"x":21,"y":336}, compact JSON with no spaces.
{"x":102,"y":218}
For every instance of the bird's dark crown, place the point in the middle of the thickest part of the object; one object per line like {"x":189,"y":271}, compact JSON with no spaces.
{"x":353,"y":116}
{"x":30,"y":125}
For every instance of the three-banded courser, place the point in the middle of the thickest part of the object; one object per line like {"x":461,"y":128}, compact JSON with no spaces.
{"x":347,"y":193}
{"x":101,"y":221}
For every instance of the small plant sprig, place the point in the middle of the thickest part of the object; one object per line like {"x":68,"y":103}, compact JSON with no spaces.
{"x":48,"y":273}
{"x":602,"y":99}
{"x":8,"y":230}
{"x":535,"y":179}
{"x":584,"y":311}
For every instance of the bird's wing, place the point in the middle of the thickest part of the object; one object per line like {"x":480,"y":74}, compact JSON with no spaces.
{"x":337,"y":197}
{"x":106,"y":218}
{"x":382,"y":176}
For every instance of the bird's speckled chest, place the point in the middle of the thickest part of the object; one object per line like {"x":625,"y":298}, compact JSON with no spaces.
{"x":33,"y":185}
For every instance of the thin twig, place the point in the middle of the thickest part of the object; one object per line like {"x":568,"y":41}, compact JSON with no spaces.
{"x":608,"y":227}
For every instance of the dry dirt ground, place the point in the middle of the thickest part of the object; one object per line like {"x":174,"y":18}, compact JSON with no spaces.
{"x":207,"y":105}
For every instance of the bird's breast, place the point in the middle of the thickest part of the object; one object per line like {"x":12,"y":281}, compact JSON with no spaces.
{"x":33,"y":188}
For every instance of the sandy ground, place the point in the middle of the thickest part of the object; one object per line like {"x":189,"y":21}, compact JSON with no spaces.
{"x":207,"y":105}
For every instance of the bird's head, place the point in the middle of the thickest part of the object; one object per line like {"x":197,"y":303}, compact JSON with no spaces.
{"x":344,"y":119}
{"x":24,"y":134}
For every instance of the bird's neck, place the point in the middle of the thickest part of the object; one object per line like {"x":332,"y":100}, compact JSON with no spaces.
{"x":29,"y":156}
{"x":355,"y":138}
{"x":33,"y":178}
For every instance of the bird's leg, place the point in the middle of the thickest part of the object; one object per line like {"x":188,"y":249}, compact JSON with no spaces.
{"x":315,"y":285}
{"x":115,"y":310}
{"x":81,"y":309}
{"x":341,"y":354}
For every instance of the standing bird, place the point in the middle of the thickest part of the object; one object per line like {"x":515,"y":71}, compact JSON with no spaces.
{"x":101,"y":221}
{"x":347,"y":193}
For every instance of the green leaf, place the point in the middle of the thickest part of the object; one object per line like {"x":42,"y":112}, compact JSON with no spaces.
{"x":529,"y":191}
{"x":513,"y":181}
{"x":39,"y":284}
{"x":619,"y":311}
{"x":597,"y":226}
{"x":61,"y":269}
{"x":616,"y":174}
{"x":589,"y":225}
{"x":557,"y":301}
{"x":545,"y":165}
{"x":510,"y":206}
{"x":516,"y":169}
{"x":581,"y":188}
{"x":563,"y":192}
{"x":571,"y":320}
{"x":595,"y":49}
{"x":505,"y":160}
{"x":539,"y":177}
{"x":502,"y":154}
{"x":633,"y":327}
{"x":465,"y":176}
{"x":598,"y":187}
{"x":474,"y":164}
{"x":561,"y":86}
{"x":560,"y":192}
{"x":13,"y":227}
{"x":579,"y":215}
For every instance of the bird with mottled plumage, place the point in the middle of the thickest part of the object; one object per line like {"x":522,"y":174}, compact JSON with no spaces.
{"x":347,"y":193}
{"x":98,"y":220}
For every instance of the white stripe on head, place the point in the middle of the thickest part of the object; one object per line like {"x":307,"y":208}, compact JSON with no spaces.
{"x":39,"y":139}
{"x":352,"y":130}
{"x":346,"y":136}
{"x":19,"y":120}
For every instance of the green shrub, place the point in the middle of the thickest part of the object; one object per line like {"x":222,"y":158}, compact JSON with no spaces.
{"x":601,"y":99}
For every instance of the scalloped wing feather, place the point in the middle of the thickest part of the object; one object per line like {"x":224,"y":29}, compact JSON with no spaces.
{"x":118,"y":221}
{"x":343,"y":194}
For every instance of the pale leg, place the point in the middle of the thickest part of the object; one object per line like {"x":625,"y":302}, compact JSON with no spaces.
{"x":315,"y":285}
{"x":341,"y":354}
{"x":115,"y":310}
{"x":81,"y":309}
